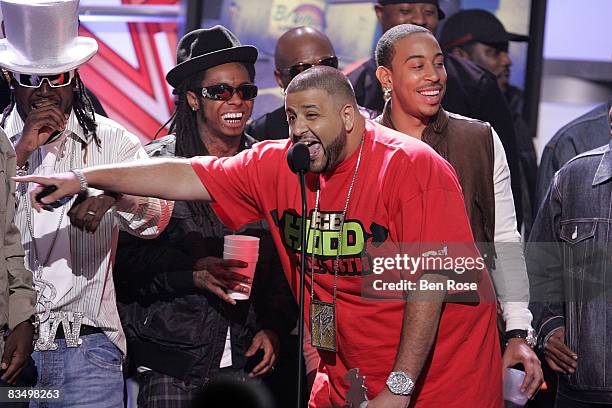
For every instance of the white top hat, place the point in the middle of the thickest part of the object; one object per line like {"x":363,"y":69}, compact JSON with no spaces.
{"x":42,"y":37}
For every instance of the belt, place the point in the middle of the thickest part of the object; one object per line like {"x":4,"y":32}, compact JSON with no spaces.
{"x":85,"y":331}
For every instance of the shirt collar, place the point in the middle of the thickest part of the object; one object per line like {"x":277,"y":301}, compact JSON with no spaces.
{"x":14,"y":126}
{"x":604,"y":170}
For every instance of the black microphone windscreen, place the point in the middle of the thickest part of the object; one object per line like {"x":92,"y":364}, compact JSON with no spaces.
{"x":298,"y":158}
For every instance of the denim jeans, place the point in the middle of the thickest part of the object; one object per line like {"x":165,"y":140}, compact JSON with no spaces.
{"x":89,"y":375}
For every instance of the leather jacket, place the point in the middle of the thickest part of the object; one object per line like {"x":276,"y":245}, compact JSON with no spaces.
{"x":467,"y":144}
{"x":471,"y":91}
{"x":172,"y":326}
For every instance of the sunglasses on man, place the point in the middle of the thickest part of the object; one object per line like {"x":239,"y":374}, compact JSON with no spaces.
{"x":297,"y":69}
{"x":35,"y":81}
{"x":225,"y":92}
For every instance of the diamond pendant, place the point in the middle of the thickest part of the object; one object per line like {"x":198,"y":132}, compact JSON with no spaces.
{"x":323,"y":325}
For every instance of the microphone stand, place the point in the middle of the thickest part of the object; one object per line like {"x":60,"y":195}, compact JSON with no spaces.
{"x":304,"y":244}
{"x":298,"y":158}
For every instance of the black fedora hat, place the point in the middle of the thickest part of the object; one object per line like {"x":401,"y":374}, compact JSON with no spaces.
{"x":205,"y":48}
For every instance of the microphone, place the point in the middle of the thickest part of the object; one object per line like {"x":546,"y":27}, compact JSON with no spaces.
{"x":298,"y":158}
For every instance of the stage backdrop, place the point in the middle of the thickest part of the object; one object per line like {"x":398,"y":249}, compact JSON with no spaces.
{"x":128,"y":72}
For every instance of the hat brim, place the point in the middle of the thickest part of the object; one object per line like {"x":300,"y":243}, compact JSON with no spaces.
{"x":81,"y":51}
{"x":243,"y":53}
{"x":494,"y":40}
{"x":517,"y":37}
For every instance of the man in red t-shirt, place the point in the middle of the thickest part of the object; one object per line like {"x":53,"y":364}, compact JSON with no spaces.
{"x":378,"y":188}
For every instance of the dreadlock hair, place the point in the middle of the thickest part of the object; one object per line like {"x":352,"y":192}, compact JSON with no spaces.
{"x":7,"y":110}
{"x":183,"y":125}
{"x":84,"y":111}
{"x":184,"y":122}
{"x":81,"y":104}
{"x":7,"y":78}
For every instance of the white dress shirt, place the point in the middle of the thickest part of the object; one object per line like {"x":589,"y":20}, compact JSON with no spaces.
{"x":92,"y":255}
{"x":510,"y":273}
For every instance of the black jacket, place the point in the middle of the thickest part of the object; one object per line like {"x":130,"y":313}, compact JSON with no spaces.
{"x":175,"y":328}
{"x":270,"y":126}
{"x":527,"y":155}
{"x":471,"y":91}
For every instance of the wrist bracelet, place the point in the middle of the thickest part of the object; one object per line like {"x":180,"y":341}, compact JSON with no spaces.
{"x":528,"y":335}
{"x":83,"y":186}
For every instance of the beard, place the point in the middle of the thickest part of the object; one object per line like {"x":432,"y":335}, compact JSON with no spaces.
{"x":332,"y":154}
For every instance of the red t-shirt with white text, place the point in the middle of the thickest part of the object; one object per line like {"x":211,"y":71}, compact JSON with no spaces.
{"x":404,"y":192}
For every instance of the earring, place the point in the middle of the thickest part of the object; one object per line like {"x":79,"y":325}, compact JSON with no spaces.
{"x":387,"y":93}
{"x":6,"y":76}
{"x":193,"y":108}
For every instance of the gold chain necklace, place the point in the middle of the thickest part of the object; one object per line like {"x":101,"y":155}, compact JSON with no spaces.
{"x":323,"y":314}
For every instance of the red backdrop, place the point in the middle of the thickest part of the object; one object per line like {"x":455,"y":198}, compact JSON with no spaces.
{"x":134,"y":93}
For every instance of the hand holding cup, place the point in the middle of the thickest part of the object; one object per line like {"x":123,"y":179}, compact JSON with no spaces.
{"x":244,"y":248}
{"x":218,"y":275}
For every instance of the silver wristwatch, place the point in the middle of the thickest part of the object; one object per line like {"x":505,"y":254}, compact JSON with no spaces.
{"x":532,"y":338}
{"x":399,"y":383}
{"x":529,"y":335}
